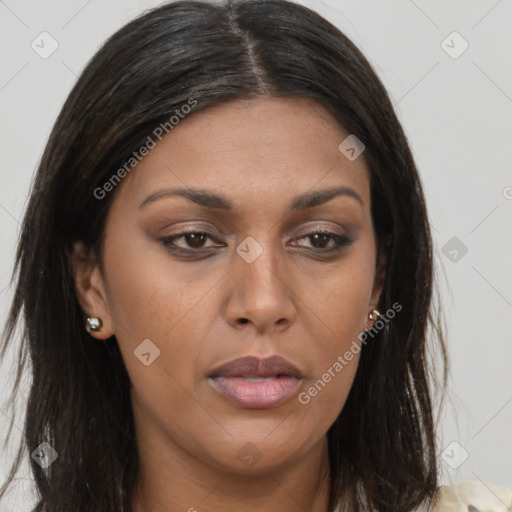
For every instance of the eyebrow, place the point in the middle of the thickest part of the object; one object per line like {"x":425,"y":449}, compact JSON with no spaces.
{"x":212,"y":200}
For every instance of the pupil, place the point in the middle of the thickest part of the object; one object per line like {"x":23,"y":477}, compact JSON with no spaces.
{"x":196,"y":238}
{"x":321,"y":237}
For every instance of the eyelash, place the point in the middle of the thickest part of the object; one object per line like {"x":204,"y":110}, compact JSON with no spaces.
{"x":342,"y":241}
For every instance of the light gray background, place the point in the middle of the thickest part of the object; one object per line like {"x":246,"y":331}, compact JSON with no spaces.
{"x":456,"y":110}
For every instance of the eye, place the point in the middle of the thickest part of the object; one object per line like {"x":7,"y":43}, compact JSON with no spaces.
{"x":320,"y":240}
{"x":194,"y":240}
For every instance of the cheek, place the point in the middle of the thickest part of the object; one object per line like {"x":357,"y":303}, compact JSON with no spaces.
{"x":147,"y":295}
{"x":337,"y":346}
{"x":340,"y":299}
{"x":153,"y":298}
{"x":325,"y":395}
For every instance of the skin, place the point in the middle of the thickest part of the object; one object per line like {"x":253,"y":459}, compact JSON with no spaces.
{"x":297,"y":302}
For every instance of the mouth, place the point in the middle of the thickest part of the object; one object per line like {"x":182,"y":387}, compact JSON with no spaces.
{"x":253,"y":383}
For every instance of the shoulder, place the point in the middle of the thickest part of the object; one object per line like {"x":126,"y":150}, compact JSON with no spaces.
{"x":472,"y":496}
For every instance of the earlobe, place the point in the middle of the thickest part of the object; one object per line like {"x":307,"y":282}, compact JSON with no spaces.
{"x":90,"y":292}
{"x":373,"y":316}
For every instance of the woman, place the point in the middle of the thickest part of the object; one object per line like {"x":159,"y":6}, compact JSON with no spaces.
{"x":225,"y":269}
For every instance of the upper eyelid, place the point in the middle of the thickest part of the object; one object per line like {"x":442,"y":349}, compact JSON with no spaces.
{"x":311,"y":230}
{"x":308,"y":229}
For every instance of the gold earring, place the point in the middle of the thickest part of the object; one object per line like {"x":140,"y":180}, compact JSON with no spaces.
{"x":93,"y":324}
{"x":374,"y":314}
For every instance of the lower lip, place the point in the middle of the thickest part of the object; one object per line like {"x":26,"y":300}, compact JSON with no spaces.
{"x":256,"y":395}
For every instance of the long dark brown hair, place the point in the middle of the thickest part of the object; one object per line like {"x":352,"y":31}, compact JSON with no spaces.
{"x":382,"y":449}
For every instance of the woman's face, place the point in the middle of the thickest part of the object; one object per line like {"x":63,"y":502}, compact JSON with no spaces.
{"x":252,"y":279}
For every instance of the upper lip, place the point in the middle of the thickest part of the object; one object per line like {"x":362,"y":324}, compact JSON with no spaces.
{"x":254,"y":366}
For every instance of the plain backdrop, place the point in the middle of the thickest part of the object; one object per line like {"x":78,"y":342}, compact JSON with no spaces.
{"x":446,"y":65}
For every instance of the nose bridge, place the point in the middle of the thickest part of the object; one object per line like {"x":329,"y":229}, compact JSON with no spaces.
{"x":261,"y":294}
{"x":258,"y":261}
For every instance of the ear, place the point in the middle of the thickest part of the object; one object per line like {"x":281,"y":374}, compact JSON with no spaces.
{"x":90,"y":289}
{"x":379,"y":279}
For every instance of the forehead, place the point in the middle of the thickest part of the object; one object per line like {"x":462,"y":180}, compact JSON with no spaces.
{"x":254,"y":151}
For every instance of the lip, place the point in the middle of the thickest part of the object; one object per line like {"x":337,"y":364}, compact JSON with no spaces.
{"x":250,"y":365}
{"x":282,"y":381}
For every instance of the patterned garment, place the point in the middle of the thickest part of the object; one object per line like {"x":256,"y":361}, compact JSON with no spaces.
{"x":470,"y":496}
{"x":473,"y":496}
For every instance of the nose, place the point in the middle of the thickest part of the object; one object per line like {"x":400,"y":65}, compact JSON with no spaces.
{"x":261,"y":292}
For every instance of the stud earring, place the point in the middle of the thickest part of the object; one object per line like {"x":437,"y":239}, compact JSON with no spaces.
{"x":374,"y":314}
{"x":93,"y":324}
